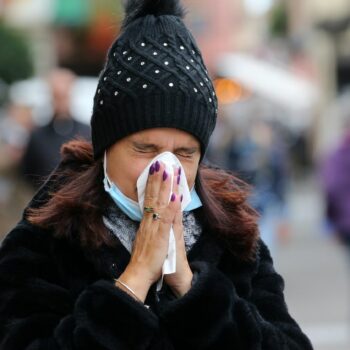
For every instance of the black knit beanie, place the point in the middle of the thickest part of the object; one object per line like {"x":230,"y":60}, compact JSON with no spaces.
{"x":154,"y":77}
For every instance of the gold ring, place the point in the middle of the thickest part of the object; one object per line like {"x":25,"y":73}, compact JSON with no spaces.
{"x":156,"y":216}
{"x":148,"y":209}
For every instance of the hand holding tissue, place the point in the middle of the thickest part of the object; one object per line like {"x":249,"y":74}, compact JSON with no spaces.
{"x":170,"y":161}
{"x":134,"y":210}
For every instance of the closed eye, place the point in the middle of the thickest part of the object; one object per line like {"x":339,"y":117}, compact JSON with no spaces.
{"x":185,"y":152}
{"x":143,"y":151}
{"x":186,"y":155}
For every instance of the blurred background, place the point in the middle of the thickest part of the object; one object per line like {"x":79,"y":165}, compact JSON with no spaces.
{"x":281,"y":70}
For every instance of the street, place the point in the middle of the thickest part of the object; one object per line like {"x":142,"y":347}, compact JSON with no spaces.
{"x":316,"y":271}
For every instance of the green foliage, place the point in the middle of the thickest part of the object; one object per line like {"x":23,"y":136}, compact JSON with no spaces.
{"x":15,"y":58}
{"x":279,"y":23}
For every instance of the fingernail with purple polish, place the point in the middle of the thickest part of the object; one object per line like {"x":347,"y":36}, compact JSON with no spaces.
{"x":181,"y":198}
{"x":178,"y":179}
{"x":173,"y":197}
{"x":165,"y":175}
{"x":151,"y":169}
{"x":157,"y":166}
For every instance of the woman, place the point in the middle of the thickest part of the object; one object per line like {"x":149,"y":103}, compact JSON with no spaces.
{"x":69,"y":278}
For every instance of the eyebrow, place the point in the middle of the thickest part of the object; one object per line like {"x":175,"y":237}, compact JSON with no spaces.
{"x":152,"y":146}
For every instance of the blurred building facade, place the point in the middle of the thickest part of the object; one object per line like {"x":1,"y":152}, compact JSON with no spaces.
{"x":73,"y":34}
{"x":308,"y":40}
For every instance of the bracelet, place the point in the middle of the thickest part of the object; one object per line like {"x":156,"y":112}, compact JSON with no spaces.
{"x":132,"y":292}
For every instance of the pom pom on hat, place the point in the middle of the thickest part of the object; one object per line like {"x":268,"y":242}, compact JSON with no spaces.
{"x":135,"y":9}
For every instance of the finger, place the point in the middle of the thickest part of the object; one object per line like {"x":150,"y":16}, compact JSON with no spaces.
{"x":176,"y":190}
{"x":176,"y":181}
{"x":179,"y":233}
{"x":153,"y":184}
{"x":164,"y":191}
{"x":177,"y":225}
{"x":168,"y":214}
{"x":177,"y":222}
{"x":151,"y":197}
{"x":178,"y":219}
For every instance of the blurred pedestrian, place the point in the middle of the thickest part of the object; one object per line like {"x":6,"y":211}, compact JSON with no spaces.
{"x":260,"y":157}
{"x":219,"y":142}
{"x":15,"y":128}
{"x":43,"y":151}
{"x":335,"y":179}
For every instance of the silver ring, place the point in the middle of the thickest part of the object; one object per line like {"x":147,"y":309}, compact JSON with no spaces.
{"x":156,"y":216}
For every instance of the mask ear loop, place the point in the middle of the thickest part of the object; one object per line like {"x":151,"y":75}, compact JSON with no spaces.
{"x":107,"y":181}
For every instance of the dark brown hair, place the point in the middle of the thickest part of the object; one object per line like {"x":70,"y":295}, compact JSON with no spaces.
{"x":78,"y":202}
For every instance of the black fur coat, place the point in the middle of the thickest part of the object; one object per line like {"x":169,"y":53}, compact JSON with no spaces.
{"x":56,"y":295}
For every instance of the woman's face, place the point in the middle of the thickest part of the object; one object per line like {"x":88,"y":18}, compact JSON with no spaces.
{"x":127,"y":158}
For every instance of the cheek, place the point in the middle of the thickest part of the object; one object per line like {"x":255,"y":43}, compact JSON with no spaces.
{"x":135,"y":168}
{"x":191,"y":172}
{"x":127,"y":175}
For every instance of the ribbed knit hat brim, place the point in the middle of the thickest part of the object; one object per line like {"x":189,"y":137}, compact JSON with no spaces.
{"x":177,"y":110}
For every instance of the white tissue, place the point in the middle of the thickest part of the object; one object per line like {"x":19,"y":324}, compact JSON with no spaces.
{"x":170,"y":161}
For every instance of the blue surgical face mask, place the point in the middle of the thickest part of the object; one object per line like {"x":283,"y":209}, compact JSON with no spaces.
{"x":130,"y":207}
{"x":127,"y":205}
